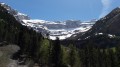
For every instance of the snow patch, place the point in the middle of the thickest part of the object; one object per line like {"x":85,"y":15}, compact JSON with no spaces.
{"x":21,"y":14}
{"x":111,"y":36}
{"x":98,"y":33}
{"x":2,"y":3}
{"x":62,"y":37}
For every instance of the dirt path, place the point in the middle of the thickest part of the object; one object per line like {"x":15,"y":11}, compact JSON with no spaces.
{"x":13,"y":63}
{"x":5,"y":53}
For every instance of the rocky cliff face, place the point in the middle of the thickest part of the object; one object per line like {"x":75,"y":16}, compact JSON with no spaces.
{"x":61,"y":29}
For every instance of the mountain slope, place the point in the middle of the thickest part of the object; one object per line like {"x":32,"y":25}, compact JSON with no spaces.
{"x":104,"y":33}
{"x":109,"y":24}
{"x":18,"y":16}
{"x":13,"y":32}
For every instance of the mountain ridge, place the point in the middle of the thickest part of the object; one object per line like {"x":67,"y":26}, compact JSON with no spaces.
{"x":107,"y":25}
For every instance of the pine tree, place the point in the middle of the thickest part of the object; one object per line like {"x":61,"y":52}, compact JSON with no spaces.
{"x":44,"y":52}
{"x":118,"y":56}
{"x":112,"y":57}
{"x":56,"y":54}
{"x":72,"y":56}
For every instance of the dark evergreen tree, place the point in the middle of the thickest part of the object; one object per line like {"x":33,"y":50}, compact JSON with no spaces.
{"x":118,"y":56}
{"x":72,"y":56}
{"x":56,"y":54}
{"x":113,"y":58}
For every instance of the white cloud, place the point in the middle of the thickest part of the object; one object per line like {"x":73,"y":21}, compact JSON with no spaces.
{"x":106,"y":5}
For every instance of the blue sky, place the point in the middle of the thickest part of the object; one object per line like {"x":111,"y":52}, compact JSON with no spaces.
{"x":60,"y":10}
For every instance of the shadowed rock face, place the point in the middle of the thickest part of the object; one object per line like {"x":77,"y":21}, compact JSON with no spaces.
{"x":114,"y":26}
{"x":110,"y":24}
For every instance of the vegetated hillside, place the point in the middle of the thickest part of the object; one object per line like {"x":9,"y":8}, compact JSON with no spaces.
{"x":14,"y":32}
{"x":101,"y":41}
